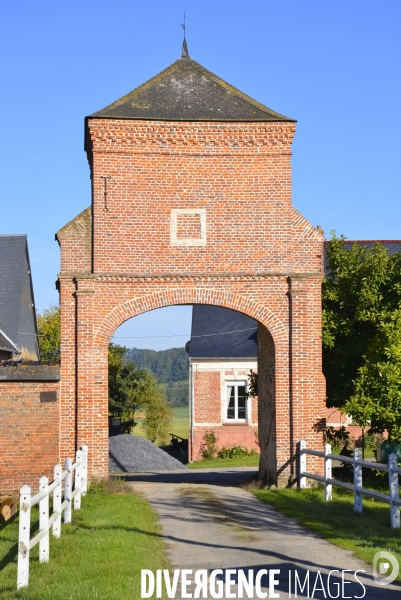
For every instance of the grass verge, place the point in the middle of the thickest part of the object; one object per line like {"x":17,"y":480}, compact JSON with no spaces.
{"x":364,"y":534}
{"x":225,"y":463}
{"x":99,"y":555}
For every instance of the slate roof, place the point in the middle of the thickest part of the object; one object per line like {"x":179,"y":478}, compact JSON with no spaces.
{"x":17,"y":309}
{"x":219,"y":332}
{"x":186,"y":91}
{"x":392,"y":246}
{"x":6,"y":344}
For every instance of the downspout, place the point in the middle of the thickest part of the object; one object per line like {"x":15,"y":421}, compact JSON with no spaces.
{"x":191,"y":410}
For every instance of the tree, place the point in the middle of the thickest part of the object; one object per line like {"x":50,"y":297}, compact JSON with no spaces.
{"x":376,"y":400}
{"x":361,"y":333}
{"x":49,"y":333}
{"x":131,"y":389}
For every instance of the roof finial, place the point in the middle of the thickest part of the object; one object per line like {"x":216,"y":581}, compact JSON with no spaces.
{"x":185,"y":53}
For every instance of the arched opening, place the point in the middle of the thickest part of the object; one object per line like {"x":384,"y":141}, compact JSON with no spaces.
{"x":222,"y":352}
{"x":266,"y":357}
{"x":290,"y":408}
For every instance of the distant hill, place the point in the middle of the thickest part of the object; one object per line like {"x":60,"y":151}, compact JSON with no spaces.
{"x":170,"y":367}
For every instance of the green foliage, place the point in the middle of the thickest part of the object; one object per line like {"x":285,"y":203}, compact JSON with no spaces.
{"x":131,"y":389}
{"x":236,"y":452}
{"x":49,"y":333}
{"x":376,"y":400}
{"x":362,"y":334}
{"x":338,"y":438}
{"x":209,"y":445}
{"x":252,"y":384}
{"x":158,"y":418}
{"x":170,"y":367}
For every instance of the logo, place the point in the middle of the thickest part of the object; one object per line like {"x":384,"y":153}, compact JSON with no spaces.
{"x":385,"y":568}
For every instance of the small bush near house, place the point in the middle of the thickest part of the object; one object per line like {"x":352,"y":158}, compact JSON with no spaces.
{"x":209,"y":447}
{"x":236,"y":452}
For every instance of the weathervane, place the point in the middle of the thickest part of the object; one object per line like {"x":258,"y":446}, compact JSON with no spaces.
{"x":185,"y":53}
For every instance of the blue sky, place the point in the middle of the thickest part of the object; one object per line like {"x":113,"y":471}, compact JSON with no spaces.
{"x":333,"y":65}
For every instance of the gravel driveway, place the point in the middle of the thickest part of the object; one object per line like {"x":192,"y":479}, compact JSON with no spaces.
{"x":208,"y":522}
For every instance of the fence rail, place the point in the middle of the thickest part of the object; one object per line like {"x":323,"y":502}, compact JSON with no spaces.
{"x":392,"y":468}
{"x":46,"y":522}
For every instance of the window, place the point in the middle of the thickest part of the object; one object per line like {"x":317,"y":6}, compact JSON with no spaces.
{"x":236,"y":401}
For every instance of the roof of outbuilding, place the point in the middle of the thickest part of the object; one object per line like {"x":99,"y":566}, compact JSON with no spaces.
{"x":219,"y":332}
{"x":14,"y":263}
{"x":6,"y":344}
{"x":392,"y":246}
{"x":186,"y":91}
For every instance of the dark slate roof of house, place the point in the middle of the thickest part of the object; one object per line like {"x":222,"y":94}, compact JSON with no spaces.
{"x":186,"y":91}
{"x":392,"y":246}
{"x":15,"y":284}
{"x":219,"y":332}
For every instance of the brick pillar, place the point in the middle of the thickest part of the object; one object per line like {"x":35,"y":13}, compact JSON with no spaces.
{"x":67,"y":368}
{"x":307,"y":407}
{"x":84,"y":365}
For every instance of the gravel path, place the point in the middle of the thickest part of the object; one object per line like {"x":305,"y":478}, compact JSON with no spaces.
{"x":130,"y":453}
{"x":222,"y":527}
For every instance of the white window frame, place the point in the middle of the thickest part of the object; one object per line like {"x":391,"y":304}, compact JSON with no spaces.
{"x":236,"y":384}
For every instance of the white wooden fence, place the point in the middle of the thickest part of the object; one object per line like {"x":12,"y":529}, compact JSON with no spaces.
{"x":392,"y":468}
{"x":27,"y":501}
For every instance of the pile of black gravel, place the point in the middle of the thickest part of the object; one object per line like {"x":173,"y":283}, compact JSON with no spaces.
{"x":132,"y":454}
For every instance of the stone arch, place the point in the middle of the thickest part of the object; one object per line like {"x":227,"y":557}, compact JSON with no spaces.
{"x":136,"y":306}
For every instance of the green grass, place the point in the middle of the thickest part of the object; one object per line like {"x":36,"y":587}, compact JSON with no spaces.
{"x":364,"y":534}
{"x":99,"y":555}
{"x":225,"y":463}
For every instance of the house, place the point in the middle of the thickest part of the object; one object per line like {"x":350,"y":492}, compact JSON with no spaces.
{"x":222,"y":352}
{"x":18,"y":329}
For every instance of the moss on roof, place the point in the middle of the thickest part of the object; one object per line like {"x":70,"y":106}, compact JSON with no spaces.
{"x":186,"y":91}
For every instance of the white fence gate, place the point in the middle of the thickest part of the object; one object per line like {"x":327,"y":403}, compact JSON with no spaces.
{"x":27,"y":501}
{"x":392,"y":468}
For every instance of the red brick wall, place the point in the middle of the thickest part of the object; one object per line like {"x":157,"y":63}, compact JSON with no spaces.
{"x":228,"y":435}
{"x":29,"y":441}
{"x":207,"y":405}
{"x":260,"y":257}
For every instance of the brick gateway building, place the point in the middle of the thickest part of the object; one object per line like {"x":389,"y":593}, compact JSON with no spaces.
{"x":191,"y":204}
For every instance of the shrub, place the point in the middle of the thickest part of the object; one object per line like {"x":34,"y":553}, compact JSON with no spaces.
{"x":209,"y":445}
{"x":236,"y":452}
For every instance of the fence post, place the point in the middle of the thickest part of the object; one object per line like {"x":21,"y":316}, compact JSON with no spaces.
{"x":78,"y":479}
{"x":394,"y":492}
{"x":328,"y":488}
{"x":302,"y":464}
{"x":24,"y":536}
{"x":44,"y":520}
{"x":85,"y":469}
{"x":68,"y":490}
{"x":358,"y":506}
{"x":57,"y":493}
